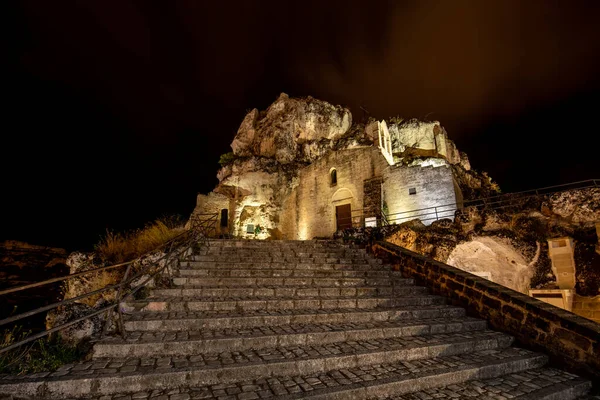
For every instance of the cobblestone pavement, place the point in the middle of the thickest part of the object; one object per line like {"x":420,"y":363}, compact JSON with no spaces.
{"x":255,"y":331}
{"x":103,"y":366}
{"x":432,"y":311}
{"x":303,"y":273}
{"x":505,"y":387}
{"x":299,"y":386}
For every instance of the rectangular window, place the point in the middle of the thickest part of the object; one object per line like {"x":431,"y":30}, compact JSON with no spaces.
{"x":412,"y":191}
{"x":224,"y":217}
{"x":250,"y":228}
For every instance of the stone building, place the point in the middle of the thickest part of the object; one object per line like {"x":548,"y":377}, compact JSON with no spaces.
{"x":301,"y":169}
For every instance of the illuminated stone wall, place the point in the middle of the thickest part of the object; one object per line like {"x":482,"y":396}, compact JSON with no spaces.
{"x":310,"y":209}
{"x":212,"y":203}
{"x":431,"y":185}
{"x":587,"y":307}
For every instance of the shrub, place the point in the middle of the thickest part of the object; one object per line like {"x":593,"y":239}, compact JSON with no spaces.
{"x":227,"y":158}
{"x":45,"y":354}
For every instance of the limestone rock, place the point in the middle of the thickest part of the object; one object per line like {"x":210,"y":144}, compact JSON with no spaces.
{"x":496,"y":256}
{"x":287,"y":130}
{"x":81,"y":331}
{"x":580,"y":206}
{"x":78,"y":261}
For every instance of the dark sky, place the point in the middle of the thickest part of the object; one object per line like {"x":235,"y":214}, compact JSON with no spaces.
{"x":115,"y":112}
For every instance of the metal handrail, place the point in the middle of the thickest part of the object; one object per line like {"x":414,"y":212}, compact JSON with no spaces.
{"x":356,"y":219}
{"x":493,"y":202}
{"x":199,"y":232}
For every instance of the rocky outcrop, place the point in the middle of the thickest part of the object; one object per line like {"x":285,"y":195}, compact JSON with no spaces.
{"x":574,"y":207}
{"x":291,"y":130}
{"x":511,"y":244}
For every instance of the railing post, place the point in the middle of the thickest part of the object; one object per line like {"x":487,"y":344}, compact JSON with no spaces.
{"x":109,"y":313}
{"x":120,"y":325}
{"x":436,"y":214}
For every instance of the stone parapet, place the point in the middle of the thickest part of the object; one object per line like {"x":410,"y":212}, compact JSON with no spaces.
{"x":571,"y":341}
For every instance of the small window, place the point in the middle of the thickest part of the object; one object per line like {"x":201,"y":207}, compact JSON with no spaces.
{"x":224,"y":218}
{"x":250,"y":228}
{"x":333,"y":176}
{"x":559,"y":243}
{"x":412,"y":191}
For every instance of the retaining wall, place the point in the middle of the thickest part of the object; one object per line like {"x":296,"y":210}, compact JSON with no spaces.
{"x":571,"y":342}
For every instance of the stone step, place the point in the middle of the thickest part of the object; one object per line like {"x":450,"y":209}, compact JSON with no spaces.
{"x":308,"y":281}
{"x":295,"y":273}
{"x":269,"y":244}
{"x":143,"y":343}
{"x":194,"y":303}
{"x":257,"y":252}
{"x":287,"y":291}
{"x":359,"y":383}
{"x":538,"y":383}
{"x":254,"y":259}
{"x":197,"y":320}
{"x":283,"y":265}
{"x":485,"y":355}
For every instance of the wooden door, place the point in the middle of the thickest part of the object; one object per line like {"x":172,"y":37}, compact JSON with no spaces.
{"x":343,"y":216}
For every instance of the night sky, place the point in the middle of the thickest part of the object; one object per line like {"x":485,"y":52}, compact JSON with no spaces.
{"x":115,"y":112}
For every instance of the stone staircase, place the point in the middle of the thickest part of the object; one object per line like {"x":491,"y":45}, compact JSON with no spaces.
{"x":300,"y":319}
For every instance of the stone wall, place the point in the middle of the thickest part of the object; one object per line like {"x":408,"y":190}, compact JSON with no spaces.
{"x":212,"y":203}
{"x":571,"y":341}
{"x":372,"y":198}
{"x":310,"y":209}
{"x":433,"y":186}
{"x":587,"y":307}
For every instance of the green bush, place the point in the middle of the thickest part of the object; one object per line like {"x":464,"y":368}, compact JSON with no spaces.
{"x":227,"y":158}
{"x":45,"y":354}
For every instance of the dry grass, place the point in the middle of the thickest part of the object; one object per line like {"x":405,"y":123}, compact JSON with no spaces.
{"x":116,"y":248}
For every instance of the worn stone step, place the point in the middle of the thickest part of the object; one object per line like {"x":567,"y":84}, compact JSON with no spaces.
{"x":288,"y":282}
{"x":259,"y":252}
{"x":288,"y":291}
{"x":283,"y":265}
{"x":124,"y":374}
{"x":538,"y":383}
{"x":142,"y":343}
{"x":289,"y":272}
{"x":273,"y":244}
{"x":194,"y":303}
{"x":393,"y":378}
{"x":254,"y":259}
{"x":226,"y":319}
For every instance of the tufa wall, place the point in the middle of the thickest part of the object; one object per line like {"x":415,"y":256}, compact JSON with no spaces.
{"x":310,"y":209}
{"x":419,"y":187}
{"x":587,"y":307}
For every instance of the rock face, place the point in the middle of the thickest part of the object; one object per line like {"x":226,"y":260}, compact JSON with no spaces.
{"x":278,"y":181}
{"x":290,"y":129}
{"x":494,"y":258}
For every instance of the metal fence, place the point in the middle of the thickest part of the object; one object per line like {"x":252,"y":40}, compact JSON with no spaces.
{"x":360,"y":218}
{"x":202,"y":227}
